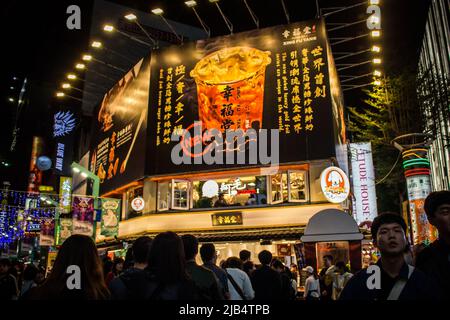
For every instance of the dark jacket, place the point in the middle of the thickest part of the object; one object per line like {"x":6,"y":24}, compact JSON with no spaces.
{"x":205,"y":280}
{"x":418,"y":286}
{"x":267,"y":284}
{"x":434,"y":261}
{"x":8,"y":287}
{"x":131,"y":285}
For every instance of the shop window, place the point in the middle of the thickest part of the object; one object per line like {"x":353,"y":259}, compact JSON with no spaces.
{"x":315,"y":170}
{"x":339,"y":250}
{"x":298,"y":186}
{"x":180,"y":194}
{"x":163,"y":196}
{"x":220,"y":193}
{"x":276,"y":191}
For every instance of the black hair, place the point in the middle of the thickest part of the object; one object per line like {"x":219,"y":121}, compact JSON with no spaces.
{"x":234,"y":262}
{"x":5,"y":262}
{"x":166,"y":260}
{"x":30,"y":272}
{"x":190,"y":244}
{"x":328,"y":256}
{"x":248,"y":266}
{"x":141,"y":249}
{"x":207,"y":251}
{"x":277,"y":264}
{"x":244,"y":255}
{"x":265,"y":257}
{"x":385,"y":218}
{"x":434,"y":200}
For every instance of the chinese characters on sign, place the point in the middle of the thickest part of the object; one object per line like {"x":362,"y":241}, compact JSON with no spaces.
{"x":300,"y":83}
{"x":171,"y":90}
{"x":226,"y":219}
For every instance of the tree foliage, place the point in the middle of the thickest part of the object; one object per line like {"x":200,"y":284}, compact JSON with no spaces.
{"x":389,"y":110}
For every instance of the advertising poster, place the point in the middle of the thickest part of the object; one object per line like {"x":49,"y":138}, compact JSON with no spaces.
{"x":47,"y":235}
{"x":83,"y":215}
{"x":65,"y":229}
{"x":118,"y":151}
{"x":273,"y":79}
{"x":363,"y":174}
{"x":418,"y":189}
{"x":110,"y":217}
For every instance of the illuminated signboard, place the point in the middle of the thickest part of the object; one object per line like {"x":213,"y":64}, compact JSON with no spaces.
{"x":280,"y":78}
{"x":226,"y":219}
{"x":117,"y":154}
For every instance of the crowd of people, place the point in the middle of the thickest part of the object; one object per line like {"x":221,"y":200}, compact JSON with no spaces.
{"x":166,"y":268}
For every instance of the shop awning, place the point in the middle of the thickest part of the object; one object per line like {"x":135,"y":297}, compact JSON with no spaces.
{"x":331,"y":225}
{"x":230,"y":235}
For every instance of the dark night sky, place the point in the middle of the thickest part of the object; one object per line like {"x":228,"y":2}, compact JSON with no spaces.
{"x":37,"y":44}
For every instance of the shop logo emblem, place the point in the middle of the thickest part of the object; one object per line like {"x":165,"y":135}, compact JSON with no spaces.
{"x":335,"y":184}
{"x":138,"y":204}
{"x":64,"y":123}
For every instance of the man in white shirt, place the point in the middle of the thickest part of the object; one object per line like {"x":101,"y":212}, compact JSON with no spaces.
{"x":239,"y":283}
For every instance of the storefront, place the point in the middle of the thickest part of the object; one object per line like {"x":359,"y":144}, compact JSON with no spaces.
{"x":175,"y":165}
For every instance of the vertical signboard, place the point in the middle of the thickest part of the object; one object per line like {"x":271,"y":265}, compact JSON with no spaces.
{"x":83,"y":215}
{"x":64,"y":123}
{"x":117,"y":154}
{"x":35,"y":178}
{"x":110,"y":217}
{"x":363,"y":174}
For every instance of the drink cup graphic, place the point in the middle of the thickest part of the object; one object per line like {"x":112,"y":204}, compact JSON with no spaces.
{"x":230,"y":88}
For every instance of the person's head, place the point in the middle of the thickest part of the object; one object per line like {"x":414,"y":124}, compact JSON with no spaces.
{"x":234,"y":262}
{"x":437,"y":208}
{"x":294,"y":267}
{"x":166,"y":259}
{"x":245,"y":255}
{"x":309,"y":270}
{"x":265,"y":257}
{"x":190,"y":244}
{"x":30,"y":272}
{"x":278,"y":266}
{"x":78,"y":250}
{"x":117,"y":265}
{"x":328,"y":260}
{"x":208,"y":253}
{"x":341,"y":267}
{"x":141,"y":250}
{"x":388,"y":233}
{"x":5,"y":264}
{"x":248,"y":267}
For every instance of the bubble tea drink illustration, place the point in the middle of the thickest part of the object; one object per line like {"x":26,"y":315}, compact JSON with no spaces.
{"x":230,"y":88}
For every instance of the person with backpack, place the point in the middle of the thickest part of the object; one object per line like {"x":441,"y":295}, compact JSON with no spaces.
{"x":239,"y":283}
{"x":287,"y":283}
{"x":391,"y":278}
{"x":132,"y":284}
{"x":206,"y":281}
{"x":265,"y":281}
{"x":312,"y":285}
